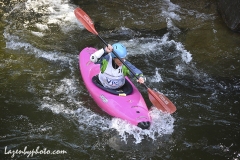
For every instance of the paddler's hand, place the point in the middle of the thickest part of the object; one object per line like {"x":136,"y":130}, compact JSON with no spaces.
{"x":109,"y":48}
{"x":140,"y":80}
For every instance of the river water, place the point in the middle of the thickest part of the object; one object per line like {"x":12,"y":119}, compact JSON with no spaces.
{"x":185,"y":51}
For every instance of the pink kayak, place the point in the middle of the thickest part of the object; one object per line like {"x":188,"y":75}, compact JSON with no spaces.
{"x":126,"y":103}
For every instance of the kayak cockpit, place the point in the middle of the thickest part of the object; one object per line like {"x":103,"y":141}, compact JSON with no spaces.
{"x":126,"y":89}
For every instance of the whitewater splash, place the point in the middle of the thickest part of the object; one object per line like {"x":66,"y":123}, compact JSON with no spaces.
{"x":58,"y":12}
{"x":162,"y":124}
{"x":93,"y":123}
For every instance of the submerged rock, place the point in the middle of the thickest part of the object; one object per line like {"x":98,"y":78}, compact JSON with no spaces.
{"x":230,"y":11}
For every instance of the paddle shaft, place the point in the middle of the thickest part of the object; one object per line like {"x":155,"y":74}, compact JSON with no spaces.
{"x":120,"y":58}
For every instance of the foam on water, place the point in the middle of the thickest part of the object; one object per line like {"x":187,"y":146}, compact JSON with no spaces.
{"x":157,"y":77}
{"x":52,"y":12}
{"x":61,"y":98}
{"x":169,"y":10}
{"x":58,"y":12}
{"x":41,"y":27}
{"x":38,"y":34}
{"x":177,"y":13}
{"x":162,"y":123}
{"x":199,"y":15}
{"x":15,"y":43}
{"x":155,"y":45}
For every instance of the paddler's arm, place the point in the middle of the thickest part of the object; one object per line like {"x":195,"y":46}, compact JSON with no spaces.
{"x":138,"y":72}
{"x":96,"y":56}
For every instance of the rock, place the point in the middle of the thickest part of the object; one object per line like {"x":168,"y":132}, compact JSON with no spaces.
{"x":230,"y":11}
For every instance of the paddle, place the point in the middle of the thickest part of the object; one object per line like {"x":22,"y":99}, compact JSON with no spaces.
{"x":158,"y":99}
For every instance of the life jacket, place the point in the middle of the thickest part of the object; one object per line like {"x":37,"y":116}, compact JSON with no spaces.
{"x":112,"y":78}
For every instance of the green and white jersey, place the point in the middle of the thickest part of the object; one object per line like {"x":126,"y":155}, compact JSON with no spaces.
{"x":112,"y":78}
{"x":118,"y":74}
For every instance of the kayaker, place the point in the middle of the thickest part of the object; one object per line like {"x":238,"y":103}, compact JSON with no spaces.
{"x":112,"y":71}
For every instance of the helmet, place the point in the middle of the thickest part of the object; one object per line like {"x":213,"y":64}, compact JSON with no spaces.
{"x":120,"y":50}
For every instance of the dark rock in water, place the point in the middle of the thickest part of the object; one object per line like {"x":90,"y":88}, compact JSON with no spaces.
{"x":230,"y":11}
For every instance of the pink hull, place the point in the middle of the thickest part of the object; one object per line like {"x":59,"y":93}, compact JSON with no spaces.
{"x":131,"y":108}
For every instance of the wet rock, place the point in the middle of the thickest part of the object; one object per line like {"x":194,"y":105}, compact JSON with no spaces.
{"x":230,"y":11}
